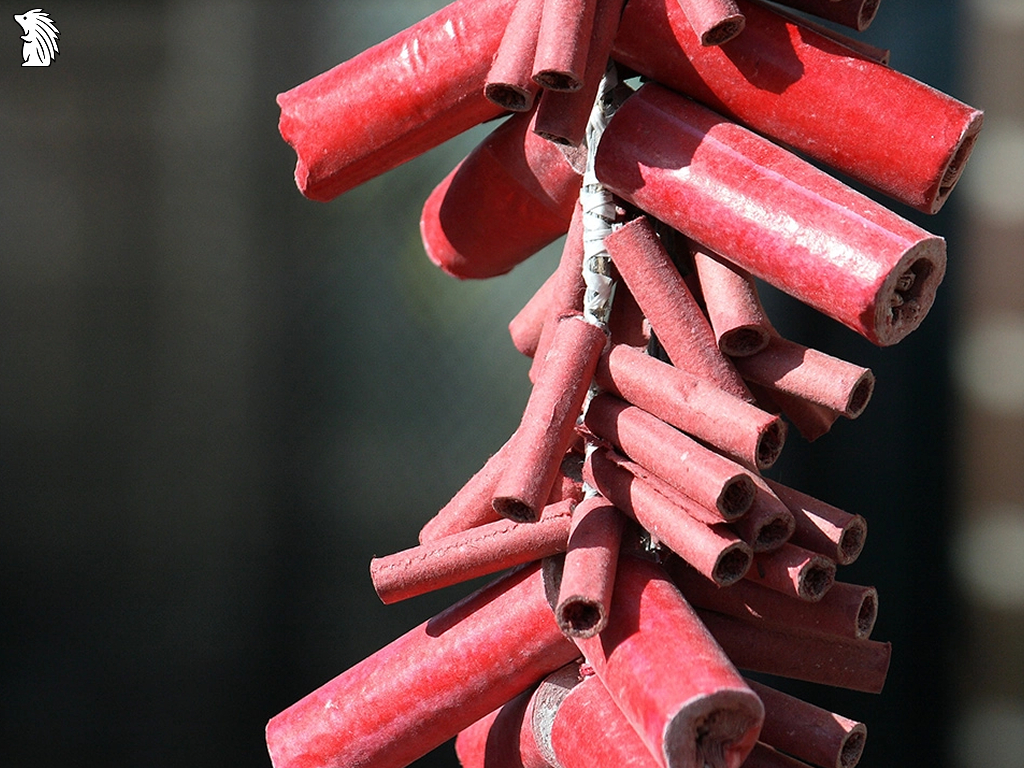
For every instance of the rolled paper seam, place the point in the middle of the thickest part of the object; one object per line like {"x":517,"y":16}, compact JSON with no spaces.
{"x":810,"y":419}
{"x":480,"y":551}
{"x":733,"y":306}
{"x":714,"y":21}
{"x":676,"y":317}
{"x":562,"y":117}
{"x":590,"y":730}
{"x":567,"y":296}
{"x":509,"y":83}
{"x":394,"y":101}
{"x":768,"y":524}
{"x":809,"y":732}
{"x":510,"y":197}
{"x":502,"y":739}
{"x":857,"y":14}
{"x":821,"y":527}
{"x":708,"y":478}
{"x":855,"y":45}
{"x":423,"y":688}
{"x":858,"y":665}
{"x":773,"y":78}
{"x":588,"y":573}
{"x":548,"y":424}
{"x":772,"y":213}
{"x":712,"y":550}
{"x":693,"y":405}
{"x":846,"y":610}
{"x":788,"y":367}
{"x":563,"y":43}
{"x":766,"y":756}
{"x":526,"y":327}
{"x":696,"y":710}
{"x":794,"y":571}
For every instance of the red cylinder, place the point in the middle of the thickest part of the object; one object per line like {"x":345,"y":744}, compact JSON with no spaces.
{"x":771,"y":213}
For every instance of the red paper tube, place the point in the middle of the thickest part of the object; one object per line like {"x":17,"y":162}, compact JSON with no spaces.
{"x":562,"y":117}
{"x":526,"y":327}
{"x":768,"y":524}
{"x":858,"y":665}
{"x":821,"y":527}
{"x":470,"y":554}
{"x":509,"y":82}
{"x":765,"y":756}
{"x":713,"y":21}
{"x":785,"y":366}
{"x":856,"y":45}
{"x":563,"y":43}
{"x":771,"y":213}
{"x":588,"y":574}
{"x":712,"y":550}
{"x":395,"y":100}
{"x":423,"y":688}
{"x":676,"y":317}
{"x":548,"y":425}
{"x":590,"y":731}
{"x":774,"y":79}
{"x":846,"y":610}
{"x":711,"y":480}
{"x":794,"y":571}
{"x":810,"y":419}
{"x":627,"y":324}
{"x":511,"y":196}
{"x":695,"y":710}
{"x":808,"y":732}
{"x":496,"y":740}
{"x":857,"y":14}
{"x":733,"y":306}
{"x":694,"y":405}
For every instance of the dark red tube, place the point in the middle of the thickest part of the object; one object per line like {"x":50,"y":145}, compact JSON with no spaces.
{"x":502,"y":739}
{"x":810,"y":419}
{"x":794,"y":571}
{"x":822,"y":527}
{"x":733,"y":306}
{"x":588,"y":573}
{"x":713,"y":21}
{"x":395,"y":100}
{"x":771,"y":213}
{"x":548,"y":425}
{"x":526,"y":327}
{"x":511,"y":196}
{"x":765,"y":756}
{"x":509,"y":81}
{"x":562,"y":44}
{"x":669,"y":678}
{"x":423,"y":688}
{"x":774,"y":79}
{"x":857,"y":14}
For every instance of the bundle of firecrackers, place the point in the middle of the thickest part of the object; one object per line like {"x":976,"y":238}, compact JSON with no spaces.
{"x":642,"y":558}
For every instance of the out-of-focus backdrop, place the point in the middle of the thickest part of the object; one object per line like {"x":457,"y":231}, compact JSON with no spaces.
{"x":219,"y":400}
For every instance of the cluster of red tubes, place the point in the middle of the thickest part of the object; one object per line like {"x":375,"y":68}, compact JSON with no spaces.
{"x":648,"y":557}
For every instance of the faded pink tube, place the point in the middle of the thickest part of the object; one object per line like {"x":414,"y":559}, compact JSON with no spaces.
{"x":712,"y":550}
{"x":857,"y":14}
{"x":809,"y":732}
{"x":694,"y":405}
{"x":548,"y":425}
{"x":509,"y":82}
{"x":859,"y":665}
{"x":771,"y":213}
{"x":708,"y":478}
{"x":810,"y":419}
{"x":423,"y":688}
{"x":668,"y":676}
{"x":793,"y":369}
{"x":823,"y":528}
{"x":768,"y":524}
{"x":794,"y":571}
{"x":733,"y":306}
{"x":676,"y":317}
{"x":563,"y":43}
{"x":395,"y":100}
{"x":774,"y":79}
{"x":846,"y":610}
{"x":713,"y":21}
{"x":588,"y":573}
{"x":510,"y":197}
{"x":470,"y":554}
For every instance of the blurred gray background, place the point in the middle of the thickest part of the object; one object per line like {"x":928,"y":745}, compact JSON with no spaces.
{"x":219,"y":400}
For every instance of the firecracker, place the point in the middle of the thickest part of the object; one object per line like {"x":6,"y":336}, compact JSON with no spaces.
{"x":643,"y":561}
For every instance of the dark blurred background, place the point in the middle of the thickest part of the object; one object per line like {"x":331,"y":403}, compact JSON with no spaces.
{"x":219,"y":400}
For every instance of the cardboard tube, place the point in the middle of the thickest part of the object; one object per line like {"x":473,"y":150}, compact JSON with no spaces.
{"x":765,"y":756}
{"x":857,"y":14}
{"x":509,"y":82}
{"x":501,"y":739}
{"x":733,"y":306}
{"x":821,"y":527}
{"x":695,"y":711}
{"x":510,"y":197}
{"x":810,"y":419}
{"x":855,"y":45}
{"x":394,"y":101}
{"x":772,"y":214}
{"x":526,"y":327}
{"x":563,"y":43}
{"x":423,"y":688}
{"x":713,"y":21}
{"x":768,"y":524}
{"x":774,"y":77}
{"x":794,"y":571}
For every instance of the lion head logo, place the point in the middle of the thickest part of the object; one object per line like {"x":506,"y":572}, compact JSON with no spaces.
{"x":40,"y":38}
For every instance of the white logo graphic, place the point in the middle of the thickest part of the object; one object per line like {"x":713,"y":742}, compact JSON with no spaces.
{"x":40,"y":38}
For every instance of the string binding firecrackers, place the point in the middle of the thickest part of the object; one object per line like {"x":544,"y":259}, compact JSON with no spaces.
{"x":644,"y":561}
